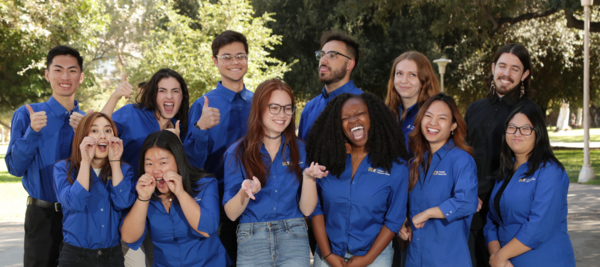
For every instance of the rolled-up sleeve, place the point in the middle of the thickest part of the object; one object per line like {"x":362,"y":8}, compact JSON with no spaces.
{"x":548,"y":199}
{"x":397,"y":200}
{"x":464,"y":200}
{"x":23,"y":144}
{"x":234,"y":174}
{"x":319,"y":208}
{"x":208,"y":200}
{"x":71,"y":196}
{"x":490,"y":230}
{"x":196,"y":143}
{"x":122,"y":195}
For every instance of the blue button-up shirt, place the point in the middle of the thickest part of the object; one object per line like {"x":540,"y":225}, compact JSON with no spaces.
{"x":314,"y":107}
{"x":534,"y":211}
{"x":91,"y":218}
{"x":33,"y":154}
{"x":408,"y":125}
{"x":450,"y":184}
{"x":356,"y":209}
{"x":175,"y":242}
{"x":278,"y":198}
{"x":133,"y":126}
{"x":205,"y":148}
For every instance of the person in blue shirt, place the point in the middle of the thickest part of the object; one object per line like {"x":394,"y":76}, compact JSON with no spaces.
{"x":411,"y":83}
{"x":265,"y":186}
{"x":163,"y":103}
{"x":527,"y":221}
{"x":362,"y":204}
{"x":177,"y":205}
{"x":219,"y":118}
{"x":337,"y":58}
{"x":93,"y":187}
{"x":442,"y":194}
{"x":41,"y":135}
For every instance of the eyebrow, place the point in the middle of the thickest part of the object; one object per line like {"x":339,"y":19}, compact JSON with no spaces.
{"x":515,"y":66}
{"x":159,"y":158}
{"x":71,"y":67}
{"x":104,"y":125}
{"x":443,"y":114}
{"x":168,"y":89}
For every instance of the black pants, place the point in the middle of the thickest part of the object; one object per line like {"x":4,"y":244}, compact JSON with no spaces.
{"x":72,"y":256}
{"x":228,"y":236}
{"x":43,"y":236}
{"x":480,"y":256}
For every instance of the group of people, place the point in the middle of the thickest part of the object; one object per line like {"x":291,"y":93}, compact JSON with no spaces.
{"x":230,"y":180}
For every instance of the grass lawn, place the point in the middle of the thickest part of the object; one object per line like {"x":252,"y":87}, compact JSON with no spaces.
{"x":573,"y":136}
{"x":573,"y":160}
{"x":12,"y":194}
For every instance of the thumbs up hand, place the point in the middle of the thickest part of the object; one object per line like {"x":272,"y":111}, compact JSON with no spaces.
{"x":38,"y":119}
{"x":76,"y":118}
{"x":210,"y":116}
{"x":125,"y":89}
{"x":175,"y":130}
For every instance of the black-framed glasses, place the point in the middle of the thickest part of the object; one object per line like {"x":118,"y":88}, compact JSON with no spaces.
{"x":228,"y":59}
{"x":524,"y":130}
{"x":330,"y":54}
{"x":287,"y":109}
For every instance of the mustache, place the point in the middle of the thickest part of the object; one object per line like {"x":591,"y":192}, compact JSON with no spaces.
{"x":506,"y":78}
{"x":323,"y":65}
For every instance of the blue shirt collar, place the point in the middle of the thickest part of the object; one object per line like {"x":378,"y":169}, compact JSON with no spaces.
{"x":59,"y":110}
{"x":230,"y":94}
{"x":443,"y":150}
{"x":412,"y":109}
{"x":346,"y":88}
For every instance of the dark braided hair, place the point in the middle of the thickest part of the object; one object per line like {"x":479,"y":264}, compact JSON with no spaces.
{"x":326,"y":141}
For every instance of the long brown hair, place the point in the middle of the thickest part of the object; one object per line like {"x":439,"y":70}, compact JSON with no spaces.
{"x":248,"y":151}
{"x":429,"y":83}
{"x":83,"y":129}
{"x":419,"y":145}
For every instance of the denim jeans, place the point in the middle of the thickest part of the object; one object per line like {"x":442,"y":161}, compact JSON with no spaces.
{"x":72,"y":256}
{"x":383,"y":260}
{"x":277,"y":243}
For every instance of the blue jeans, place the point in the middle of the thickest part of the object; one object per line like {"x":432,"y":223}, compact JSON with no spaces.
{"x":383,"y":260}
{"x":276,"y":243}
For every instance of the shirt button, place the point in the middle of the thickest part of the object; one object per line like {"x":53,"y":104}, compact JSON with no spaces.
{"x":101,"y":209}
{"x":274,"y":208}
{"x":99,"y":252}
{"x":447,"y":214}
{"x":450,"y":211}
{"x":275,"y":191}
{"x":103,"y":226}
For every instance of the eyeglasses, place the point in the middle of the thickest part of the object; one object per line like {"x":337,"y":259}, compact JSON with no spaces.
{"x":330,"y":54}
{"x":287,"y":109}
{"x":228,"y":59}
{"x":524,"y":130}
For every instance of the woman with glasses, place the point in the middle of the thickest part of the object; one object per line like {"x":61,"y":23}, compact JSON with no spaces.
{"x":527,"y":221}
{"x":442,"y":194}
{"x":363,"y":203}
{"x":265,"y":186}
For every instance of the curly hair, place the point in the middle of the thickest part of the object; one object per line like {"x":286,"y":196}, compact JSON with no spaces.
{"x":326,"y":142}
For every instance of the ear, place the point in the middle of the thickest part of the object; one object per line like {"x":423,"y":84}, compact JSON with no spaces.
{"x":493,"y":67}
{"x":47,"y":75}
{"x":215,"y":61}
{"x":350,"y":65}
{"x":525,"y":75}
{"x":454,"y":125}
{"x":82,"y":77}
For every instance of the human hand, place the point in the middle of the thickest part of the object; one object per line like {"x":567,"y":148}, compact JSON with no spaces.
{"x":314,"y":171}
{"x":174,"y":182}
{"x":38,"y":119}
{"x":480,"y":205}
{"x":335,"y":261}
{"x":88,"y":148}
{"x":406,"y":231}
{"x":175,"y":130}
{"x":251,"y":187}
{"x":76,"y":117}
{"x":359,"y":261}
{"x":125,"y":89}
{"x":497,"y":261}
{"x":145,"y":186}
{"x":115,"y":148}
{"x":210,"y":116}
{"x":420,"y":219}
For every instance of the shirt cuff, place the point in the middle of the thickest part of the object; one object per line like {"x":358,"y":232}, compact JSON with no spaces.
{"x":394,"y":227}
{"x":78,"y":190}
{"x":208,"y":223}
{"x":449,"y":211}
{"x":527,"y":240}
{"x":199,"y":135}
{"x":31,"y":135}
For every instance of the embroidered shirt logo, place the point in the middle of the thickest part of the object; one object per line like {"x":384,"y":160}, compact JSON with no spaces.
{"x":378,"y":171}
{"x":527,"y":180}
{"x":197,"y":199}
{"x":109,"y":177}
{"x":439,"y":172}
{"x":412,"y":127}
{"x":285,"y":163}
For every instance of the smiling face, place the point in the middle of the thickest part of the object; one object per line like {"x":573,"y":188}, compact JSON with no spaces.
{"x":356,"y":122}
{"x":102,"y":131}
{"x":168,"y":97}
{"x":406,"y":81}
{"x":520,"y":144}
{"x":64,"y":75}
{"x":437,"y":124}
{"x":334,"y":70}
{"x":157,"y":162}
{"x":508,"y":73}
{"x":235,"y":71}
{"x":274,"y":125}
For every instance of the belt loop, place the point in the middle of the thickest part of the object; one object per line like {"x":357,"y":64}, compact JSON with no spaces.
{"x":251,"y":228}
{"x":57,"y":207}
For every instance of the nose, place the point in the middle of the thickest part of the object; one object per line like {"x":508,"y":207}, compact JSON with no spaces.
{"x":506,"y":71}
{"x":65,"y":75}
{"x":404,"y":79}
{"x":156,"y":172}
{"x":169,"y":95}
{"x":433,"y":121}
{"x":323,"y":59}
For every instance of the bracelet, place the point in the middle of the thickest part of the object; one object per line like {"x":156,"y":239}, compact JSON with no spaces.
{"x":114,"y":160}
{"x":328,"y":255}
{"x":143,"y":200}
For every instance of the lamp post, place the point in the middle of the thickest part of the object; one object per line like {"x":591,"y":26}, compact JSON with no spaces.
{"x":442,"y":62}
{"x":586,"y":173}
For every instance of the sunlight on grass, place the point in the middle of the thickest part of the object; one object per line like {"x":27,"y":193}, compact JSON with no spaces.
{"x":573,"y":136}
{"x":573,"y":160}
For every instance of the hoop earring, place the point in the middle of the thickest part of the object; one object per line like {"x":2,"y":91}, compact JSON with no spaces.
{"x":522,"y":89}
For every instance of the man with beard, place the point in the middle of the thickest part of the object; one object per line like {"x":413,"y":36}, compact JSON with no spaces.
{"x":485,"y":118}
{"x":338,"y":56}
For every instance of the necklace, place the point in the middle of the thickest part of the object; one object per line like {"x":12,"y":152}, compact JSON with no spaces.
{"x":272,"y":137}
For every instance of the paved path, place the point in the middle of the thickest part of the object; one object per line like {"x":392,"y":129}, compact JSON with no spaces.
{"x":574,"y":145}
{"x":584,"y":229}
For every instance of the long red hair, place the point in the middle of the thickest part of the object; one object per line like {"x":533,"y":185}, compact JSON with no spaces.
{"x":248,"y":151}
{"x":430,"y":85}
{"x":83,"y":129}
{"x":419,"y":145}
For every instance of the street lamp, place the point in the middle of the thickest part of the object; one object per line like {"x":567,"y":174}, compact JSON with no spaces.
{"x":442,"y":62}
{"x":586,"y":173}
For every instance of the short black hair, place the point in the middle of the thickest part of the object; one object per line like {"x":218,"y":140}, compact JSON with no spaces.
{"x":63,"y":50}
{"x":326,"y":140}
{"x":542,"y":151}
{"x":352,"y":47}
{"x":228,"y":37}
{"x":521,"y":52}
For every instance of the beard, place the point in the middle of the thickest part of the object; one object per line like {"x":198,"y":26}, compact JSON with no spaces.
{"x":334,"y":75}
{"x":504,"y":89}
